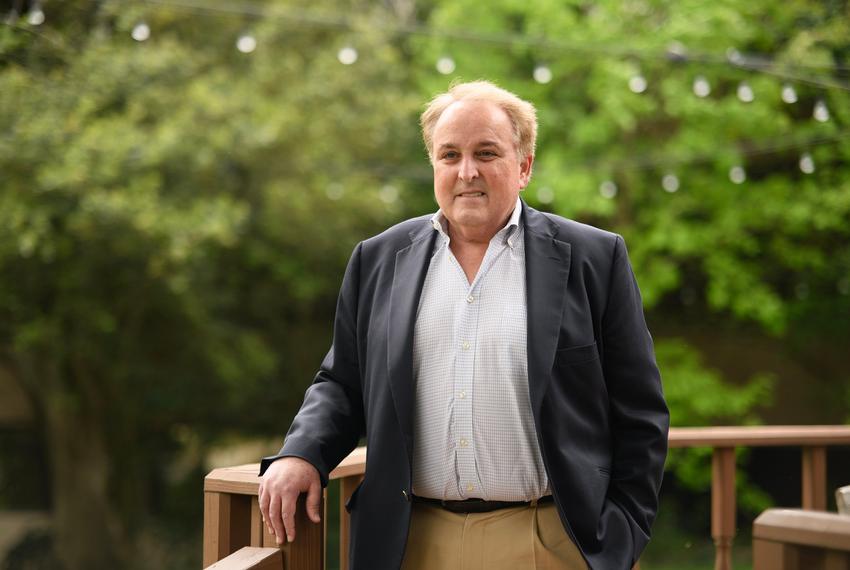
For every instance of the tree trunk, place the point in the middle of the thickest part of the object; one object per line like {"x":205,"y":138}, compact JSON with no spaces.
{"x":88,"y":534}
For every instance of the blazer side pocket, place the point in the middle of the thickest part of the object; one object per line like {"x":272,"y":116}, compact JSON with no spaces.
{"x":352,"y":500}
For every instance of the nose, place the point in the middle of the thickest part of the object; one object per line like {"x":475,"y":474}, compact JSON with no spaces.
{"x":468,"y":169}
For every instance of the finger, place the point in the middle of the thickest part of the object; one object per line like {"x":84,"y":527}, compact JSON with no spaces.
{"x":275,"y":519}
{"x":314,"y":501}
{"x":288,"y":515}
{"x":263,"y":499}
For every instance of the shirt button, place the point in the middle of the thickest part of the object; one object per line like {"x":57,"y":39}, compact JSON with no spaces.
{"x":470,"y":487}
{"x":463,"y":443}
{"x":466,"y":345}
{"x":462,"y":394}
{"x":470,"y":299}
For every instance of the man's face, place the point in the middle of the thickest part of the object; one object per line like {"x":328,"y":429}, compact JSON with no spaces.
{"x":477,"y":172}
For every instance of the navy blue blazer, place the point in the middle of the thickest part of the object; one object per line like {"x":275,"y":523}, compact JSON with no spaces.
{"x":595,"y":389}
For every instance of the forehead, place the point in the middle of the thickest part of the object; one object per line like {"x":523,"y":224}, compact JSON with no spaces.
{"x":471,"y":122}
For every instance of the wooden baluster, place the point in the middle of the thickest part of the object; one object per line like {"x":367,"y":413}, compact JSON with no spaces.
{"x":226,"y":524}
{"x":814,"y":478}
{"x":723,"y":506}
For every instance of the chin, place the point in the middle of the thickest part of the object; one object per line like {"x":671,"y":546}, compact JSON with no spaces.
{"x":471,"y":218}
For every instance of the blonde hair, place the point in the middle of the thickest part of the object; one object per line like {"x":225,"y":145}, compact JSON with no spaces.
{"x":522,"y":114}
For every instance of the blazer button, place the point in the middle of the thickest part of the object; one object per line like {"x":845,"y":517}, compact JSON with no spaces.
{"x":406,"y":495}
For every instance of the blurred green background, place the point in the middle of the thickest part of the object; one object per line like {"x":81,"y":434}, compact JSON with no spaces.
{"x":181,"y":183}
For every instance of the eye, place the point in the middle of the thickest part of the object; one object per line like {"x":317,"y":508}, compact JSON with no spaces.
{"x":449,"y":155}
{"x":487,"y":154}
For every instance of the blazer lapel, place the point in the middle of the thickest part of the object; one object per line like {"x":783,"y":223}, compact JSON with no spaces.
{"x":411,"y":266}
{"x":547,"y":267}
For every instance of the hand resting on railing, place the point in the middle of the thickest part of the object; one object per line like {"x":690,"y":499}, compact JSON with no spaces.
{"x":280,"y":486}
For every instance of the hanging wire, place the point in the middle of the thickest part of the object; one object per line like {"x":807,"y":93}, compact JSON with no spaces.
{"x":677,"y":53}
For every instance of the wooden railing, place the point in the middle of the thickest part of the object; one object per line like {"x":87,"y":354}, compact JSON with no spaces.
{"x":792,"y":539}
{"x":232,"y":515}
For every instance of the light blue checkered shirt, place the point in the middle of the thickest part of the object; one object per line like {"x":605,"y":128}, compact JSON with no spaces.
{"x":473,"y":427}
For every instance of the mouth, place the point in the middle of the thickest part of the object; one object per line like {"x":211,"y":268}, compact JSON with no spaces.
{"x":470,"y":195}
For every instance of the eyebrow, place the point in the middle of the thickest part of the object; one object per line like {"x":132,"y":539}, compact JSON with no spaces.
{"x":478,"y":144}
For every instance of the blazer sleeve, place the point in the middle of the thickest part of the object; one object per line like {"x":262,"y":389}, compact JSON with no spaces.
{"x":331,"y":421}
{"x":639,"y":415}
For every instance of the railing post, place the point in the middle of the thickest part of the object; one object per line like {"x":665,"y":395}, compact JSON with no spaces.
{"x":307,"y":552}
{"x":814,"y":478}
{"x":723,"y":505}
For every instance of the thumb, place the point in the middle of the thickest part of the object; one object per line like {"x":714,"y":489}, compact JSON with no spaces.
{"x":314,"y":500}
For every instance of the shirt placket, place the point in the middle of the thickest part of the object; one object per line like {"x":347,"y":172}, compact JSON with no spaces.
{"x":469,"y":483}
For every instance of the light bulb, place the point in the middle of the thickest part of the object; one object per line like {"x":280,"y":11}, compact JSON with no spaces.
{"x":821,"y":112}
{"x":246,"y":43}
{"x":347,"y":55}
{"x":608,"y":189}
{"x":141,"y":32}
{"x":701,"y":87}
{"x":542,"y":74}
{"x":545,"y":195}
{"x":637,"y":83}
{"x":737,"y":174}
{"x":745,"y":92}
{"x":445,"y":65}
{"x":807,"y":163}
{"x":789,"y":95}
{"x":670,"y":183}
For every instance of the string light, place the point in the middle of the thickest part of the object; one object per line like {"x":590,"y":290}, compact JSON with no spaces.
{"x":36,"y":15}
{"x":807,"y":163}
{"x":637,"y":83}
{"x":734,"y":56}
{"x":141,"y":32}
{"x":246,"y":43}
{"x":347,"y":55}
{"x":542,"y":74}
{"x":701,"y":86}
{"x":388,"y":194}
{"x":789,"y":95}
{"x":675,"y":52}
{"x":334,"y":191}
{"x":737,"y":174}
{"x":821,"y":113}
{"x":745,"y":92}
{"x":670,"y":183}
{"x":545,"y":195}
{"x":608,"y":189}
{"x":445,"y":65}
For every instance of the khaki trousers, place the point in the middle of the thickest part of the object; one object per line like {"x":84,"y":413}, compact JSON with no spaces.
{"x":508,"y":539}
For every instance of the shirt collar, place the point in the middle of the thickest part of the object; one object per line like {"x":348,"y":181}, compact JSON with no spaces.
{"x":507,"y":234}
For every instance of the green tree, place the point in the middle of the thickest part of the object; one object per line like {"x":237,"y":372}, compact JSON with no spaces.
{"x":169,"y":232}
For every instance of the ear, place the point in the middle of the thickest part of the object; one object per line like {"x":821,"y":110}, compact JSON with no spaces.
{"x":525,"y":171}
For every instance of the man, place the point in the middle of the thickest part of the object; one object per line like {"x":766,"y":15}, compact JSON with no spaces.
{"x":498,"y":362}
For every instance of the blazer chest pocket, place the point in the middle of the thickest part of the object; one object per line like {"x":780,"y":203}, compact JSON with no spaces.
{"x":578,"y":354}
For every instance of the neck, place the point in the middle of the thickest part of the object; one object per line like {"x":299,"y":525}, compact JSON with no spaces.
{"x":470,"y":236}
